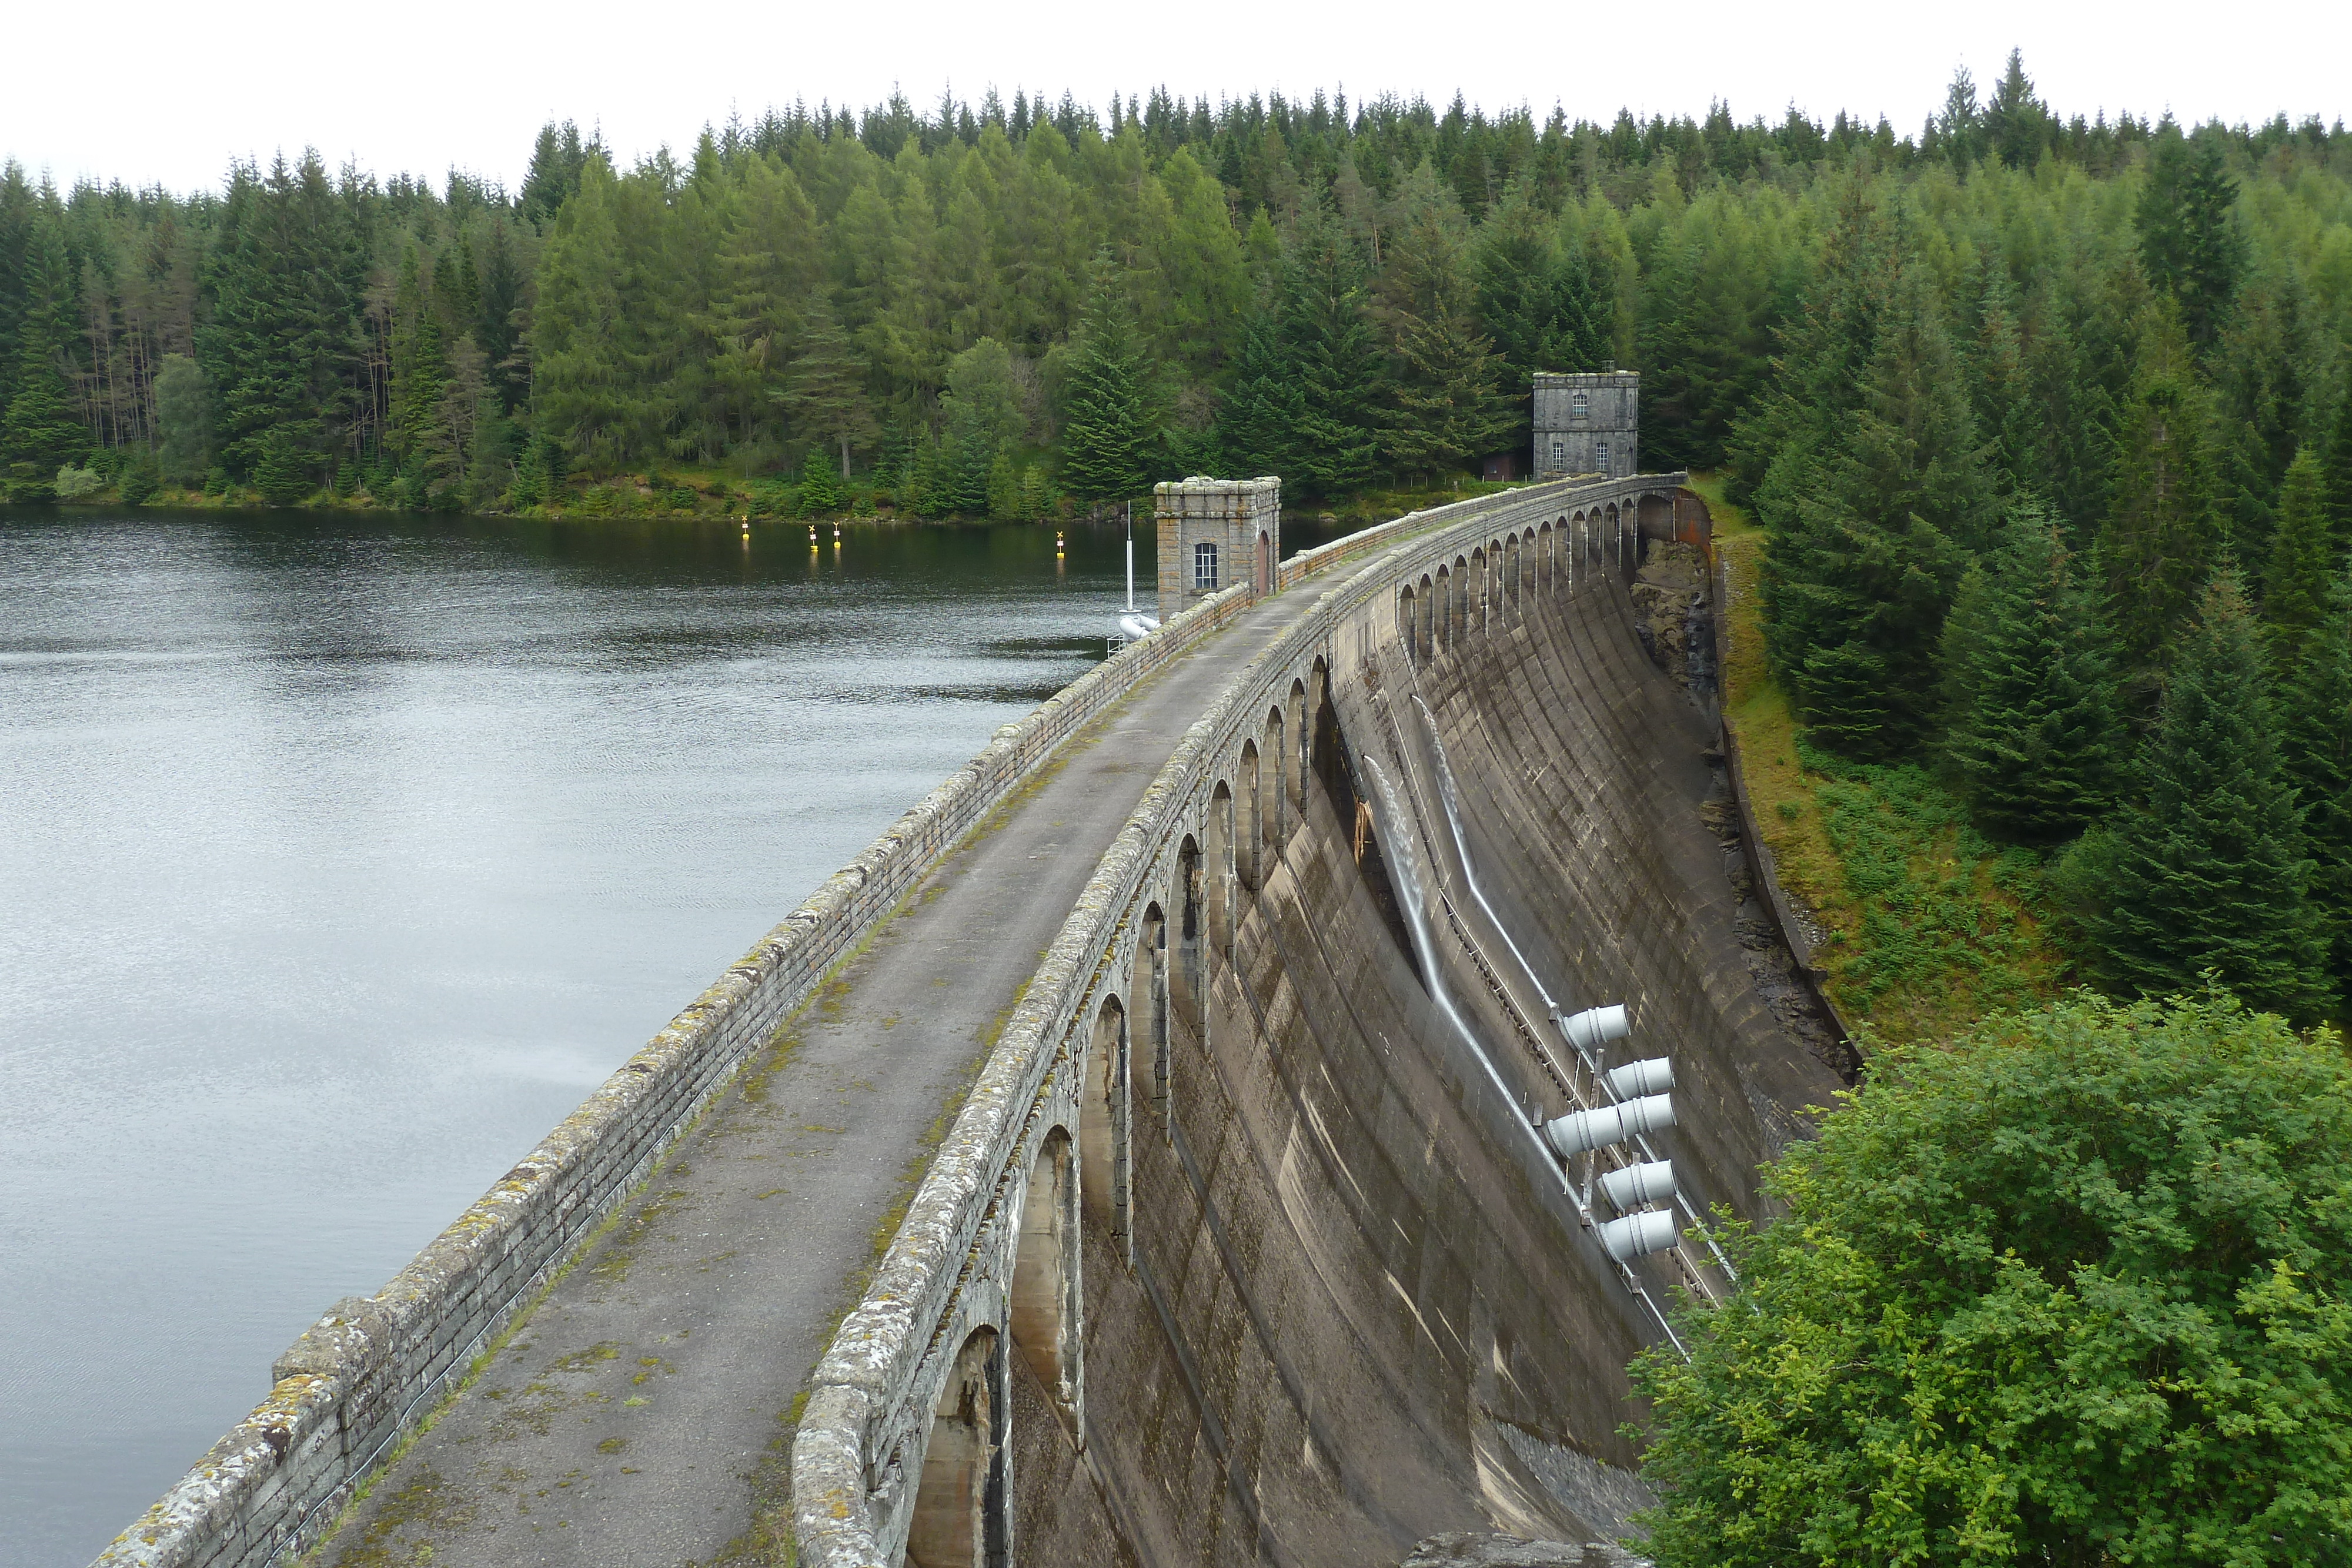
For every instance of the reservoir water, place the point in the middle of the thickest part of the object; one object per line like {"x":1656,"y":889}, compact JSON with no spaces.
{"x":341,"y":856}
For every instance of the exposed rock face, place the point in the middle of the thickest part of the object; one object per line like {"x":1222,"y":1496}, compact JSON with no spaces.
{"x":1469,"y":1549}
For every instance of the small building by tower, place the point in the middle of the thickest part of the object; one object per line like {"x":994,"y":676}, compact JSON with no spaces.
{"x":1214,"y":533}
{"x":1588,"y":423}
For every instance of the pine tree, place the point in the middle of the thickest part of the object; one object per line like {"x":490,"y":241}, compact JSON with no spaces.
{"x":2035,"y":742}
{"x":1111,"y":440}
{"x":2315,"y":745}
{"x":2303,"y":564}
{"x":2161,"y":539}
{"x":2210,"y":871}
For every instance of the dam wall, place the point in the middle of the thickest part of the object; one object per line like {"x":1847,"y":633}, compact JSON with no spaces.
{"x":1247,"y":1245}
{"x":366,"y":1374}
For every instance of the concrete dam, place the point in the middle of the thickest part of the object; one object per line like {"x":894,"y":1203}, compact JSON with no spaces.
{"x":1251,"y":1114}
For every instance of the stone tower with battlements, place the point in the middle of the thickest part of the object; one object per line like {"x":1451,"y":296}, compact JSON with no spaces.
{"x":1588,"y":423}
{"x":1212,"y":534}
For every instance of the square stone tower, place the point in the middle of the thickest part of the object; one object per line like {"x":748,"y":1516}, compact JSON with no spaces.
{"x":1214,"y":533}
{"x":1588,"y":423}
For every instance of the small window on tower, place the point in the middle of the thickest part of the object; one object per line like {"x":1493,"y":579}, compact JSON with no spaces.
{"x":1204,"y":567}
{"x":1559,"y":456}
{"x":1603,"y":457}
{"x":1577,"y":406}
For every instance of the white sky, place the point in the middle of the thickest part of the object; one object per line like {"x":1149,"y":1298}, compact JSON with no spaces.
{"x":149,"y":91}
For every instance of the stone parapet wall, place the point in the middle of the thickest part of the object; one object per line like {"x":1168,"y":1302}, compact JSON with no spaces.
{"x":370,"y":1369}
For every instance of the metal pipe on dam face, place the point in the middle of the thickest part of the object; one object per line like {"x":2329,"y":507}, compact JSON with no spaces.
{"x":1254,"y":1247}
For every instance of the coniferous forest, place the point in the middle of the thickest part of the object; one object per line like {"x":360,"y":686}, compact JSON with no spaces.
{"x":2049,"y":421}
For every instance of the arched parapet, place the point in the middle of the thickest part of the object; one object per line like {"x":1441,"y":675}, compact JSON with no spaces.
{"x":1093,"y":1026}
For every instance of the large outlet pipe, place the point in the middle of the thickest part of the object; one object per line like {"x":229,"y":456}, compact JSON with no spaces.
{"x":1653,"y":1182}
{"x":1654,"y":1076}
{"x":1596,"y":1027}
{"x":1581,"y":1129}
{"x":1637,"y":1235}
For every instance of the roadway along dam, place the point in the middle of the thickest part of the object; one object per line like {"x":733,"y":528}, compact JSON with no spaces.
{"x":1227,"y":1018}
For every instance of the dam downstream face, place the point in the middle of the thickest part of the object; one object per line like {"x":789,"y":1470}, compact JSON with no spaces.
{"x":357,"y":850}
{"x":1349,"y":1309}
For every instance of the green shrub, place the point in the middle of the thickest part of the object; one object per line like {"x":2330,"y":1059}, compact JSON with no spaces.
{"x":2077,"y":1290}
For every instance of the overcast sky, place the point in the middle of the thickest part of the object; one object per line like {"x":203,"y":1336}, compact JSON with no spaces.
{"x":148,"y":91}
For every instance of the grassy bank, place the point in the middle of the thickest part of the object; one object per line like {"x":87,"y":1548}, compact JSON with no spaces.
{"x":1925,"y":923}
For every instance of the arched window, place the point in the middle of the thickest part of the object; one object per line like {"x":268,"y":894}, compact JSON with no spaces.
{"x":1204,"y":567}
{"x":1577,"y":406}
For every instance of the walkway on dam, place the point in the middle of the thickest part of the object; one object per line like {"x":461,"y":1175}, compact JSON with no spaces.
{"x":642,"y":1416}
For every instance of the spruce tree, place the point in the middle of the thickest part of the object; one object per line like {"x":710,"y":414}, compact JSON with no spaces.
{"x":39,"y":432}
{"x":1333,"y":360}
{"x":183,"y":420}
{"x":285,"y":273}
{"x":2336,"y":472}
{"x":824,"y":391}
{"x":2315,"y":744}
{"x":1110,"y":439}
{"x":1257,"y":424}
{"x":2189,"y":246}
{"x":2210,"y":871}
{"x":2302,"y":567}
{"x":821,"y":491}
{"x":2161,"y":539}
{"x":2035,"y":742}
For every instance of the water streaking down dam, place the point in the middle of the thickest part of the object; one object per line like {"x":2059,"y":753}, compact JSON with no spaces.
{"x":1185,"y":1058}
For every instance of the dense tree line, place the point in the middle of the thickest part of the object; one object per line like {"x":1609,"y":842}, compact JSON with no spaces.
{"x":1340,"y":293}
{"x":2058,"y":474}
{"x":2050,"y":422}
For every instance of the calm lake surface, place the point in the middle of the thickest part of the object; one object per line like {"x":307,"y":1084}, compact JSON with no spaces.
{"x":341,"y":856}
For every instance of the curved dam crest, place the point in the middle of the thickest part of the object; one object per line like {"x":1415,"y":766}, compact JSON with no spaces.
{"x":1242,"y":1242}
{"x":1246,"y":1248}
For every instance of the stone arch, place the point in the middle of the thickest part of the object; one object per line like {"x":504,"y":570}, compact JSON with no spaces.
{"x":1265,"y":564}
{"x":1546,"y":572}
{"x":1219,"y":872}
{"x":1405,"y":619}
{"x":1458,"y":608}
{"x":1188,"y":977}
{"x":1044,"y":1312}
{"x":1531,"y":563}
{"x":958,"y":1519}
{"x":1474,"y":606}
{"x":1148,"y":1068}
{"x":1442,"y":614}
{"x":1249,"y":829}
{"x":1102,"y":1122}
{"x":1427,"y":627}
{"x":1273,"y":812}
{"x":1294,"y":775}
{"x":1511,"y":560}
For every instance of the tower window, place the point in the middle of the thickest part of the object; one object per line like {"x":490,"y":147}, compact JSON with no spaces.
{"x":1604,"y":454}
{"x":1577,"y":405}
{"x":1204,"y":567}
{"x":1559,"y":456}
